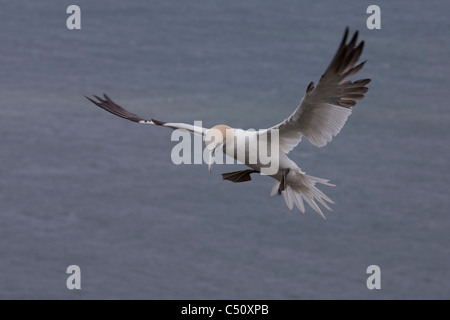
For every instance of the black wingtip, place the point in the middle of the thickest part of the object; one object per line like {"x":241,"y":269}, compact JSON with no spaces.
{"x":92,"y":100}
{"x":109,"y":105}
{"x":347,"y":30}
{"x":354,"y":39}
{"x":367,"y":81}
{"x":107,"y":97}
{"x":98,"y":98}
{"x":360,"y":47}
{"x":344,"y":38}
{"x":158,"y":123}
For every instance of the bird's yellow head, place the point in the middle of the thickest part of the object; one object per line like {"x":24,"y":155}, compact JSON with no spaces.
{"x":216,"y":136}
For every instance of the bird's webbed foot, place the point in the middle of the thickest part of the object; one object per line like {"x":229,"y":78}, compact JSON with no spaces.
{"x":282,"y":186}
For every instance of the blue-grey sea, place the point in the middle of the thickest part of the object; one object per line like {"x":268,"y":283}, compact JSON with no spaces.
{"x":79,"y":186}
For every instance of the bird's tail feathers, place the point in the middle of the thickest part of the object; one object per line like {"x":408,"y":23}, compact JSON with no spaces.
{"x":307,"y":192}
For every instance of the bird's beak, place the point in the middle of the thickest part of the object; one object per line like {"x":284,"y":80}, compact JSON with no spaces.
{"x":210,"y":164}
{"x":212,"y":156}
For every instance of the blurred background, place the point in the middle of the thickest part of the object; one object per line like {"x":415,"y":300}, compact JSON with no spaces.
{"x":81,"y":186}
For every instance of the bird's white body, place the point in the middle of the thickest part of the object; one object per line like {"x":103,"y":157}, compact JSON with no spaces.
{"x":300,"y":187}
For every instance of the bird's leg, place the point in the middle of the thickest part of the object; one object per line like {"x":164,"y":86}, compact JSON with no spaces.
{"x":283,"y":181}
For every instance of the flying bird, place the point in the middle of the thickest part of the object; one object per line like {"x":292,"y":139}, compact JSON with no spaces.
{"x":321,"y":114}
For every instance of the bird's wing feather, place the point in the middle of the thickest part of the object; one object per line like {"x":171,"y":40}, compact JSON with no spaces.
{"x":326,"y":106}
{"x":109,"y":105}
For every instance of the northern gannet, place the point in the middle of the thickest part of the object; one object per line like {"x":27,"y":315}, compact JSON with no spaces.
{"x":321,"y":114}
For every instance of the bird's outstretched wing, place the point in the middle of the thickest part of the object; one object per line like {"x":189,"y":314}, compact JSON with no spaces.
{"x":326,"y":106}
{"x":107,"y":104}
